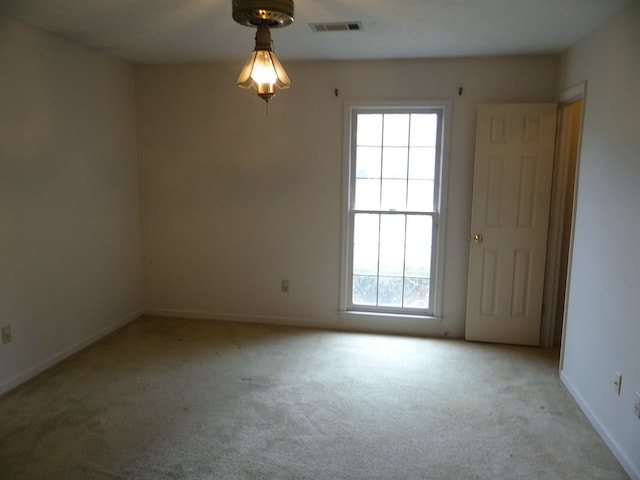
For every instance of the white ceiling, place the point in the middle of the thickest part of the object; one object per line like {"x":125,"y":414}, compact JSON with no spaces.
{"x":152,"y":31}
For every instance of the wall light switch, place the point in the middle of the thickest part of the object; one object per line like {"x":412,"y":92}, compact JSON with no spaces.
{"x":636,"y":407}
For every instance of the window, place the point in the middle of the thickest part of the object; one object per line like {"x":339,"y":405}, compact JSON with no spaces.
{"x":392,"y":214}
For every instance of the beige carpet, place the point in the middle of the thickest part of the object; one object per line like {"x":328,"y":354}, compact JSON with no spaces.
{"x":186,"y":399}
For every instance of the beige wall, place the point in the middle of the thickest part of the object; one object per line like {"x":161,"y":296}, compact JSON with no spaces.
{"x":69,"y":210}
{"x":235,"y":199}
{"x":603,"y":324}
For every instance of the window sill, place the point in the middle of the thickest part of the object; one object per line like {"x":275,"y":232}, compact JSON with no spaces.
{"x":363,"y":315}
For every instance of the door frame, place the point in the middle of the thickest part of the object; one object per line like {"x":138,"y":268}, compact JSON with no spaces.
{"x":556,"y":230}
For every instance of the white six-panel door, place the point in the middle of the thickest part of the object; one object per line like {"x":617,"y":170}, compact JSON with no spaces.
{"x":511,"y":193}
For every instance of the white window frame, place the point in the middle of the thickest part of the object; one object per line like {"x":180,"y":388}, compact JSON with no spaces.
{"x":439,"y":217}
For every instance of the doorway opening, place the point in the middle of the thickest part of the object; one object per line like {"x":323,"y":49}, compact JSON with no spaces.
{"x":561,"y":218}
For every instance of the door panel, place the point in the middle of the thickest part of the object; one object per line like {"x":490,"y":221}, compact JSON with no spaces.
{"x":511,"y":192}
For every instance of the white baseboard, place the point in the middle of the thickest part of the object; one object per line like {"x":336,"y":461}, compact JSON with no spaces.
{"x":632,"y":470}
{"x":58,"y":357}
{"x":232,"y":317}
{"x":352,"y":322}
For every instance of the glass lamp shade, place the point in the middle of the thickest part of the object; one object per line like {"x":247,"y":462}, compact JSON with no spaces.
{"x":264,"y":72}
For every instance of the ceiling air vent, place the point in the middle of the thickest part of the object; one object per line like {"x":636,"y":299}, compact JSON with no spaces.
{"x":336,"y":27}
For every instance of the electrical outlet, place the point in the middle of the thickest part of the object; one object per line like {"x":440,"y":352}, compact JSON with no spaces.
{"x":617,"y":383}
{"x":6,"y":334}
{"x":284,"y":287}
{"x":636,"y":407}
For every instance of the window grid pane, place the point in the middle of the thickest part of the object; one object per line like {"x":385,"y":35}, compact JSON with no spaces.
{"x":394,"y":162}
{"x":394,"y":195}
{"x":395,"y":130}
{"x":368,"y":162}
{"x":424,"y":130}
{"x":422,"y":163}
{"x":369,"y":130}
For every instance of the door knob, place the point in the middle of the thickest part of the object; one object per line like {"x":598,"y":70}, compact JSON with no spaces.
{"x":477,"y":238}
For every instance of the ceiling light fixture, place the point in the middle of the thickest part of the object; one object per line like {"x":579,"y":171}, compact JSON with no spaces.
{"x":263,"y":71}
